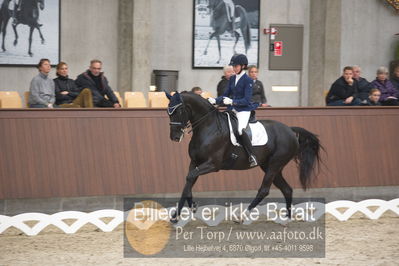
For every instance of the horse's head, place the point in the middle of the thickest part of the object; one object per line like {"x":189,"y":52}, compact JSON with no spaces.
{"x":178,"y":115}
{"x":41,"y":4}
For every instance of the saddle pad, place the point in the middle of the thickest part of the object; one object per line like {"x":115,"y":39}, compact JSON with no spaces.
{"x":259,"y":134}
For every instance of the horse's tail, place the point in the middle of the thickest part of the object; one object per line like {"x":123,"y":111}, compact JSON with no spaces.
{"x":245,"y":27}
{"x":308,"y":157}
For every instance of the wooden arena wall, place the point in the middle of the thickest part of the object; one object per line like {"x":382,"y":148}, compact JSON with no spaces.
{"x":71,"y":153}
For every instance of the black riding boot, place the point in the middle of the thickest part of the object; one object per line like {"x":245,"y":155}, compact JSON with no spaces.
{"x":246,"y":143}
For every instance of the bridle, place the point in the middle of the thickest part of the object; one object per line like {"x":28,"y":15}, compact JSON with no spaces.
{"x":188,"y":124}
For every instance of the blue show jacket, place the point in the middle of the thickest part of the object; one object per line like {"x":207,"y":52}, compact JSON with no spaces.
{"x":241,"y":94}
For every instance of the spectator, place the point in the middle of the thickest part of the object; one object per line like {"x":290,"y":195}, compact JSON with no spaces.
{"x":67,"y":94}
{"x":95,"y":80}
{"x":258,"y":92}
{"x":197,"y":90}
{"x":363,"y":85}
{"x":224,"y":83}
{"x":343,"y":90}
{"x":374,"y":98}
{"x":389,"y":95}
{"x":41,"y":89}
{"x":395,"y":78}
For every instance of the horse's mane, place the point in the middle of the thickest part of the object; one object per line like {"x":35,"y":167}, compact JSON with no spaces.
{"x":197,"y":98}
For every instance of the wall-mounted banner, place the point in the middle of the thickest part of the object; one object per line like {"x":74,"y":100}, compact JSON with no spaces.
{"x":30,"y":30}
{"x":222,"y":28}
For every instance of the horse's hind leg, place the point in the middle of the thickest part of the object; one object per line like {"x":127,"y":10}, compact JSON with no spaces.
{"x":3,"y":47}
{"x":30,"y":41}
{"x":286,"y":189}
{"x":235,"y":44}
{"x":220,"y":49}
{"x":264,"y":188}
{"x":41,"y":35}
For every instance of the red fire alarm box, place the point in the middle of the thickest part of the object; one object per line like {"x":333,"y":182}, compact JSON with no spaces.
{"x":278,"y":48}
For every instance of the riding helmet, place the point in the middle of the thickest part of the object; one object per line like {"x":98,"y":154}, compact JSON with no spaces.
{"x":239,"y":59}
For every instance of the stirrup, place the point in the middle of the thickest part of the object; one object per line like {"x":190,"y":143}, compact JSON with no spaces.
{"x":252,"y":161}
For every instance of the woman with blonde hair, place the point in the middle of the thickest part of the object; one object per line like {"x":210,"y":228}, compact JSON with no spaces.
{"x":67,"y":93}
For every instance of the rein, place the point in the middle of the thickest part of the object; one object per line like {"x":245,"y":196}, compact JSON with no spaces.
{"x":194,"y":125}
{"x":198,"y":122}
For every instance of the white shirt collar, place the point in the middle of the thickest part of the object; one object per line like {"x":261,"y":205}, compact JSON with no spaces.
{"x":239,"y":76}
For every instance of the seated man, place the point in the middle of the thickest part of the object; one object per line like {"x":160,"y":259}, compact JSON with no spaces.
{"x":95,"y":80}
{"x":42,"y":91}
{"x":364,"y":86}
{"x":343,"y":90}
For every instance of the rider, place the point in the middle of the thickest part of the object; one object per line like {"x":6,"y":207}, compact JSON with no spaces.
{"x":240,"y":89}
{"x":230,"y":9}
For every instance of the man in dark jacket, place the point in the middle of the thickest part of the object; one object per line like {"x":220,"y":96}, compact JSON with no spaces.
{"x":95,"y":80}
{"x":363,"y":85}
{"x":224,"y":82}
{"x":343,"y":91}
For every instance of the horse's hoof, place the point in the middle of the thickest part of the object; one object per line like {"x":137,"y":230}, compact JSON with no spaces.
{"x":15,"y":43}
{"x":174,"y":220}
{"x":205,"y":53}
{"x":31,"y":54}
{"x":43,"y":42}
{"x":194,"y":207}
{"x":240,"y":221}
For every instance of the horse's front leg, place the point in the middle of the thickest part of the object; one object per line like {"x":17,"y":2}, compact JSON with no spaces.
{"x":209,"y":41}
{"x":14,"y":27}
{"x":191,"y":178}
{"x":41,"y":35}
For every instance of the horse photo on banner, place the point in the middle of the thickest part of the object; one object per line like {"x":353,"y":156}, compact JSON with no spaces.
{"x":222,"y":28}
{"x":29,"y":31}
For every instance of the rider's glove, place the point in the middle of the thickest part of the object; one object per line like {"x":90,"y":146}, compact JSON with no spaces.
{"x":212,"y":100}
{"x":227,"y":101}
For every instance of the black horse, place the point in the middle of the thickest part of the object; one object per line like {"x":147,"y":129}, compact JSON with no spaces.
{"x":29,"y":15}
{"x":220,"y":24}
{"x":5,"y":14}
{"x":211,"y":150}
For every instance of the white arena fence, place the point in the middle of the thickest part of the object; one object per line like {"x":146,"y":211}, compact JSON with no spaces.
{"x":117,"y":217}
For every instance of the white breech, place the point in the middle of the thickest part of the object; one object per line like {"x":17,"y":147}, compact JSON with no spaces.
{"x":230,"y":8}
{"x":243,"y":118}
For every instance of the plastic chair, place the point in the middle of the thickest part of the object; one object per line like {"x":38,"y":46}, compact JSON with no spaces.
{"x":158,"y":99}
{"x":135,"y":99}
{"x":117,"y":94}
{"x":10,"y":99}
{"x":206,"y":94}
{"x":26,"y":98}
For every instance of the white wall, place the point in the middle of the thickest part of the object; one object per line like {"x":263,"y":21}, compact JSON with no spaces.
{"x":89,"y":30}
{"x":368,"y":40}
